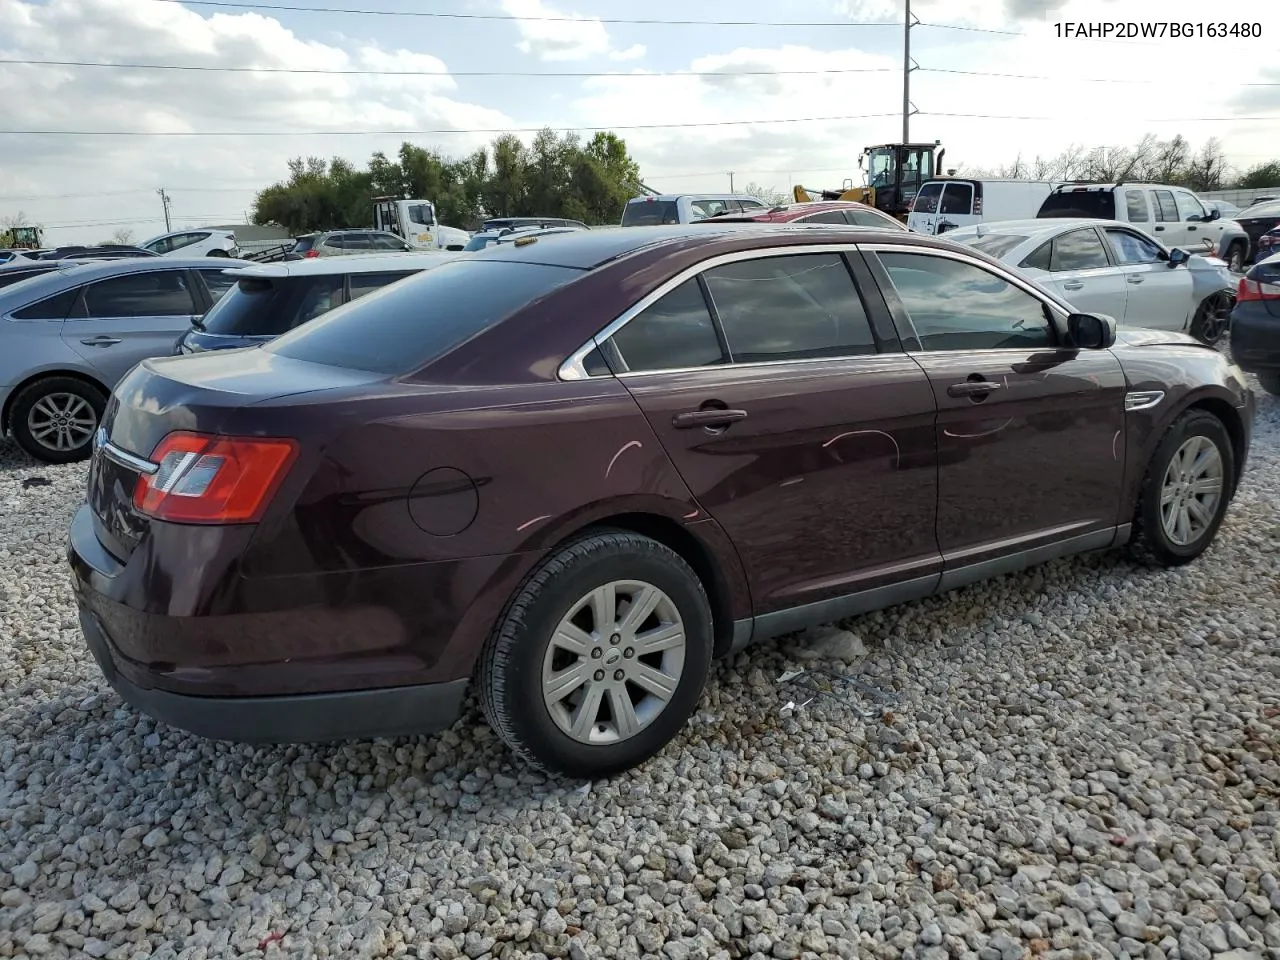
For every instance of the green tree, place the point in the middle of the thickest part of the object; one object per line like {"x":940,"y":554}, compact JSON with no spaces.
{"x":1259,"y":176}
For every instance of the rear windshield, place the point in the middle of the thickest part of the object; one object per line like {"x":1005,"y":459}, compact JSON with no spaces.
{"x":405,"y":326}
{"x":1094,"y":204}
{"x":1259,"y":210}
{"x":927,"y":199}
{"x":478,"y":243}
{"x":267,"y":308}
{"x":303,"y":244}
{"x":993,"y":244}
{"x":650,"y":213}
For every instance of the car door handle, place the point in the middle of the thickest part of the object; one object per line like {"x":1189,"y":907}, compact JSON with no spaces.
{"x":1191,"y":228}
{"x":1159,"y":229}
{"x":1073,"y":285}
{"x":1134,"y":279}
{"x":971,"y":388}
{"x":707,"y":418}
{"x":100,"y":341}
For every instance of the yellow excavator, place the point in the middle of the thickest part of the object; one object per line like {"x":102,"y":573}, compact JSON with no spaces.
{"x":893,"y":174}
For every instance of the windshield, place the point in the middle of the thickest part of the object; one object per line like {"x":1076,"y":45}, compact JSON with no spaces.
{"x":650,"y":213}
{"x":992,"y":244}
{"x":1093,"y":204}
{"x":1271,"y":209}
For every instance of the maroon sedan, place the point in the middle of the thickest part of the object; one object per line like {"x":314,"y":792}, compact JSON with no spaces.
{"x":842,"y":212}
{"x":574,"y":469}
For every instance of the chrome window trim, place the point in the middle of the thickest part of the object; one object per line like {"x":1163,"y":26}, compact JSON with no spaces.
{"x":574,"y":366}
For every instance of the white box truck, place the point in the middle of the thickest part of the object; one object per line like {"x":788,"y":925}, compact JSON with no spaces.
{"x":946,"y":204}
{"x":415,"y":222}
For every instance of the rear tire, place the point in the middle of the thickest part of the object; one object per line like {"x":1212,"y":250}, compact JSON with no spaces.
{"x":1235,"y":257}
{"x":54,"y":419}
{"x":218,"y":253}
{"x":1179,"y":512}
{"x":1212,"y":318}
{"x":560,"y":706}
{"x":1270,"y":382}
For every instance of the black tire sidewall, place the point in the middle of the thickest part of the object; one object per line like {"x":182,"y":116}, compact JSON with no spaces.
{"x":1195,"y":424}
{"x":1270,"y":382}
{"x":31,"y":395}
{"x":522,"y":677}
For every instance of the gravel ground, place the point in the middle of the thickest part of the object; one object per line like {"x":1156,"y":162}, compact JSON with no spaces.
{"x":1083,"y":760}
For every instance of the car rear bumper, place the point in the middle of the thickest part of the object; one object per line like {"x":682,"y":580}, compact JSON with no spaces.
{"x":1255,"y":337}
{"x":285,"y":675}
{"x":301,"y":718}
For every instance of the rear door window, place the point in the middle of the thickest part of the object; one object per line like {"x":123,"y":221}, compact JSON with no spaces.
{"x":1166,"y":206}
{"x":789,"y":308}
{"x":217,"y":282}
{"x":383,"y":241}
{"x":674,"y":333}
{"x":1078,"y":250}
{"x":416,"y":322}
{"x":159,"y":293}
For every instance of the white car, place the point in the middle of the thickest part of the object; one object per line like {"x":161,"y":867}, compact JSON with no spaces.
{"x":194,"y":243}
{"x":1104,"y":266}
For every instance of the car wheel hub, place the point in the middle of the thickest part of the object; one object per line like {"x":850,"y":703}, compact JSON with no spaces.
{"x":1191,"y":491}
{"x":62,"y":421}
{"x":614,"y":662}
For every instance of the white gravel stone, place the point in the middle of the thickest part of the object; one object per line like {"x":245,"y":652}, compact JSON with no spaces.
{"x":1083,"y":761}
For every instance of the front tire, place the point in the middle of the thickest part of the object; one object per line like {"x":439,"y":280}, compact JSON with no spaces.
{"x":600,"y":658}
{"x":54,"y":420}
{"x":1185,"y":494}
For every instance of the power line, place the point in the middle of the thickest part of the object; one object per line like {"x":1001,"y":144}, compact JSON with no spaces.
{"x":637,"y":126}
{"x":562,"y":74}
{"x":7,"y":198}
{"x":448,"y":73}
{"x":512,"y":18}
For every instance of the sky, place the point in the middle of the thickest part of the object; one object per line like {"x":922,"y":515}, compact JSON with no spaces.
{"x":796,"y":90}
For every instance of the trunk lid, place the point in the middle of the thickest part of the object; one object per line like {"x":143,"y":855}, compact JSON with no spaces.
{"x":197,"y":393}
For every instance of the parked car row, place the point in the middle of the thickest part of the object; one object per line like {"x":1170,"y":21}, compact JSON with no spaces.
{"x":574,"y":468}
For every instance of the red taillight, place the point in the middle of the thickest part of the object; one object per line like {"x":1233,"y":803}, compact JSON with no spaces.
{"x":208,"y":479}
{"x":312,"y":253}
{"x":1253,"y":290}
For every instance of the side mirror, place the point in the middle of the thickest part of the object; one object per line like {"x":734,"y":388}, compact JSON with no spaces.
{"x":1213,"y":214}
{"x":1090,"y":331}
{"x":454,"y":247}
{"x":1178,"y":256}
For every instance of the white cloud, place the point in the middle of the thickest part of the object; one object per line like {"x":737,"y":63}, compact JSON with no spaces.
{"x":1173,"y":78}
{"x":50,"y":98}
{"x":552,"y":35}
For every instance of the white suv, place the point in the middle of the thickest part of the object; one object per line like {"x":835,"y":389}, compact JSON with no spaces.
{"x":687,"y":208}
{"x":194,"y":243}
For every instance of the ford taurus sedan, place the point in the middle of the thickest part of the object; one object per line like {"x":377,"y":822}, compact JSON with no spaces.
{"x":572,"y":470}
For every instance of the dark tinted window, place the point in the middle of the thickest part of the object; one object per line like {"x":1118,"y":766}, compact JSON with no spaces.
{"x":1136,"y":204}
{"x":927,"y":199}
{"x":57,"y":307}
{"x":362,"y":283}
{"x":781,"y":308}
{"x":673,"y":333}
{"x":1078,"y":250}
{"x":865,"y":218}
{"x":1259,"y":210}
{"x":217,"y":283}
{"x":1096,"y":204}
{"x":12,"y":275}
{"x":992,"y":244}
{"x":404,"y":326}
{"x":267,"y":308}
{"x":650,"y":213}
{"x":163,"y":293}
{"x":1039,"y":259}
{"x":957,"y":198}
{"x":1131,"y":248}
{"x":1166,"y":206}
{"x":829,"y":216}
{"x":957,"y":306}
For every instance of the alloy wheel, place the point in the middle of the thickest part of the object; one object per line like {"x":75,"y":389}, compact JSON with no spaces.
{"x":1191,"y":490}
{"x":62,"y":421}
{"x":614,"y":662}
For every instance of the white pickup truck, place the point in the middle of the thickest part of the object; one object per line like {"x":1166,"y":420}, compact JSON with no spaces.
{"x":415,"y":222}
{"x":1173,"y":215}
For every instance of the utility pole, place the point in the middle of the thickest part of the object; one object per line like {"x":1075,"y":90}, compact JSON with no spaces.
{"x":165,"y":199}
{"x":906,"y":75}
{"x":731,"y":181}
